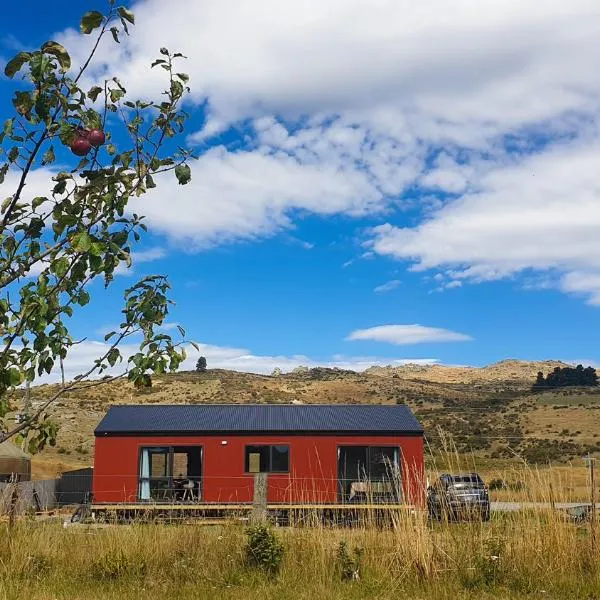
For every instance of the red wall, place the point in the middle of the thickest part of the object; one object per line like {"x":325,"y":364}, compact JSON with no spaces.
{"x":312,"y":476}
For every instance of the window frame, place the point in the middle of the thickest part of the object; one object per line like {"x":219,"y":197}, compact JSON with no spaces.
{"x":269,"y":471}
{"x":169,"y":450}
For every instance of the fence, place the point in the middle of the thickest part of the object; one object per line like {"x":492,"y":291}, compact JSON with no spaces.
{"x":71,"y":488}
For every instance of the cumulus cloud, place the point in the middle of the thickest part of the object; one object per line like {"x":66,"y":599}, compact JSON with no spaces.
{"x":82,"y":356}
{"x":346,"y":105}
{"x":500,"y":62}
{"x":541,"y":213}
{"x":408,"y":334}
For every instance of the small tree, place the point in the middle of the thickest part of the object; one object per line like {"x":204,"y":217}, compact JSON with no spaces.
{"x":53,"y":247}
{"x":201,"y":365}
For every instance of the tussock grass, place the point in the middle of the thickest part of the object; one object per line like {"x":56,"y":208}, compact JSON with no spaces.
{"x":535,"y":553}
{"x":514,"y":556}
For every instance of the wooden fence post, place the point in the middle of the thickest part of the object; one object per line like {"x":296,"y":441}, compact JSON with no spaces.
{"x":14,"y":498}
{"x":259,"y":503}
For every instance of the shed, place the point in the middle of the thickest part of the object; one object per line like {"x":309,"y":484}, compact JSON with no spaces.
{"x":208,"y":453}
{"x":14,"y":463}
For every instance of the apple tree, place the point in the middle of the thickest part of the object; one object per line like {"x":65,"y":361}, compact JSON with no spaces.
{"x":101,"y":149}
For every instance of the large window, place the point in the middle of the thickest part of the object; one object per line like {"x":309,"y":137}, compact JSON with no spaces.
{"x":369,"y":473}
{"x":171,"y":473}
{"x":267,"y":459}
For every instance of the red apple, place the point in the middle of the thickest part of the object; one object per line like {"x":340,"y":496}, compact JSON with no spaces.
{"x":96,"y":137}
{"x":80,"y":146}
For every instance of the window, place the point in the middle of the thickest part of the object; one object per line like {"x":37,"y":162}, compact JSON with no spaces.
{"x":171,"y":473}
{"x":267,"y":459}
{"x":369,"y":472}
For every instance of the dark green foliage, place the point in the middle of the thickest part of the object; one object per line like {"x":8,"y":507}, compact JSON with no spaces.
{"x":349,"y":563}
{"x":565,"y":377}
{"x":201,"y":365}
{"x":263,"y":549}
{"x":81,"y":230}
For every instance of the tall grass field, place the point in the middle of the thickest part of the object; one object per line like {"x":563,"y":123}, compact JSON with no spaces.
{"x":537,"y":553}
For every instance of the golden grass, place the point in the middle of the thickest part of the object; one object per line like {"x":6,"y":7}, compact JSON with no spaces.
{"x":528,"y":554}
{"x":512,"y":557}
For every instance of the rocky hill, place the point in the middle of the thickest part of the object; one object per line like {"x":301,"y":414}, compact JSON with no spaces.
{"x":510,"y":370}
{"x":490,"y":410}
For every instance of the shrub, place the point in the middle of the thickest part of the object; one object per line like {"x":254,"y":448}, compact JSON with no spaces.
{"x":263,"y":549}
{"x":349,"y":564}
{"x":116,"y":564}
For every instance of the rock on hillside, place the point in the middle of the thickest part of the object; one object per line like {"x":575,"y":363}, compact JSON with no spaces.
{"x":516,"y":371}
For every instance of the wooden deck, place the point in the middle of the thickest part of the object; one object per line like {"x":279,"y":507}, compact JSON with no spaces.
{"x":283,"y":514}
{"x":145,"y":506}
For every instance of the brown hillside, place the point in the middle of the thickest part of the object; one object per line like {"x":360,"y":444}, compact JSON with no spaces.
{"x":490,"y":411}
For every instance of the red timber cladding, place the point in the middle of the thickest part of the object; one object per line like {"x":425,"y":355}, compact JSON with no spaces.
{"x":312,"y":476}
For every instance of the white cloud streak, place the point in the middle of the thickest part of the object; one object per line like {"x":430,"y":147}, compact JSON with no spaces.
{"x":401,"y":335}
{"x":387,"y":287}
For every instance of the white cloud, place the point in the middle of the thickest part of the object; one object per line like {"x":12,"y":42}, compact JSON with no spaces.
{"x":541,"y":214}
{"x":148,"y":255}
{"x":408,"y":334}
{"x":388,"y":286}
{"x":369,"y":91}
{"x":495,"y":62}
{"x":82,"y":356}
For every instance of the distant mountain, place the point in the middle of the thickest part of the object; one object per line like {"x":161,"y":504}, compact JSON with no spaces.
{"x":489,"y":410}
{"x":510,"y":370}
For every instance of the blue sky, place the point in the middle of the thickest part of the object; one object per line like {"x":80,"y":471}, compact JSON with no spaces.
{"x":364,"y":170}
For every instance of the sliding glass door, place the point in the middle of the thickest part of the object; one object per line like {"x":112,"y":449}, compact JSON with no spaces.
{"x":369,"y":474}
{"x":170,"y":473}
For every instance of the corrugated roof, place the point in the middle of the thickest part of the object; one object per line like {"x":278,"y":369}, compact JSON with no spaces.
{"x":259,"y":418}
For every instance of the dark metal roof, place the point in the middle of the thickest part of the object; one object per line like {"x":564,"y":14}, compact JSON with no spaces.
{"x":259,"y":418}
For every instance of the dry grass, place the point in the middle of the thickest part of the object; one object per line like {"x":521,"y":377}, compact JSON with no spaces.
{"x":529,"y":554}
{"x":535,"y":555}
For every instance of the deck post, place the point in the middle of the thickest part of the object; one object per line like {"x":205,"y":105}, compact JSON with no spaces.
{"x":259,"y":502}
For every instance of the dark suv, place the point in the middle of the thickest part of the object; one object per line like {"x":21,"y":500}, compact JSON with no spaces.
{"x":456,"y":497}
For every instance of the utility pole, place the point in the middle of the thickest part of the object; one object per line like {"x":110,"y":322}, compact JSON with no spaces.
{"x":590,"y":460}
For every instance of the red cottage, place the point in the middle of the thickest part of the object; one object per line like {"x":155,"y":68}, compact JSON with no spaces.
{"x":202,"y":454}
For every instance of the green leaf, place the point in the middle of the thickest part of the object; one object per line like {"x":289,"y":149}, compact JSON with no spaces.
{"x":60,"y":266}
{"x":90,"y":21}
{"x":83,"y":298}
{"x":126,"y":14}
{"x":15,"y":377}
{"x":66,"y":133}
{"x":150,"y":182}
{"x":13,"y":66}
{"x":49,"y":156}
{"x":9,"y":126}
{"x":58,"y":50}
{"x":116,"y":95}
{"x":94,"y":93}
{"x":23,"y":102}
{"x":81,"y":242}
{"x":115,"y":33}
{"x":13,"y":154}
{"x":113,"y":356}
{"x":183,"y":174}
{"x":38,"y":201}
